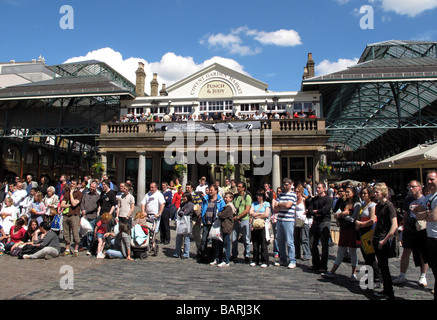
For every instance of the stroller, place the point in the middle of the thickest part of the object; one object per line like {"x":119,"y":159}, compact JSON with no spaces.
{"x":143,"y":249}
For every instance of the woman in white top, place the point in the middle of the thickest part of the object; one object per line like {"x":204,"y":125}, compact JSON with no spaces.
{"x":51,"y":201}
{"x":302,"y":226}
{"x":365,"y":225}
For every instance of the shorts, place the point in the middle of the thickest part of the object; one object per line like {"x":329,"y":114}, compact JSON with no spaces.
{"x":100,"y":235}
{"x":416,"y":241}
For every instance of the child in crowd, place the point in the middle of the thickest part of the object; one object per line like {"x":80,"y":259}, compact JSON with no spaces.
{"x":99,"y":233}
{"x":227,"y":219}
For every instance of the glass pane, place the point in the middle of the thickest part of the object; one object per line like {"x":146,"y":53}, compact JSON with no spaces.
{"x":297,"y":163}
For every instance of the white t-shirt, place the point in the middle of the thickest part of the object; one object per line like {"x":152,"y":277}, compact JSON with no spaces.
{"x":124,"y":204}
{"x":431,"y":227}
{"x":201,"y":188}
{"x":153,"y":201}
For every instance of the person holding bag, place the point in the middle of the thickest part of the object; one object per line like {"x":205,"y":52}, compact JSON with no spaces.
{"x":365,"y":225}
{"x":186,"y":211}
{"x":348,"y":235}
{"x":212,"y":204}
{"x":259,"y":212}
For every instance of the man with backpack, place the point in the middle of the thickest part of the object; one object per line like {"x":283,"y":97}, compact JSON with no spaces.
{"x":242,"y":202}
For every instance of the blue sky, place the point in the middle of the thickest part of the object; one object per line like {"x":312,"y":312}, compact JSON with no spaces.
{"x":268,"y":40}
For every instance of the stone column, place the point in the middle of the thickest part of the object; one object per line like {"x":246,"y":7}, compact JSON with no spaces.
{"x":184,"y":180}
{"x":232,"y":161}
{"x":141,"y":180}
{"x":104,"y":161}
{"x":276,"y":170}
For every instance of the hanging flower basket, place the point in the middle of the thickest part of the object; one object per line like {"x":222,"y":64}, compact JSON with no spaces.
{"x":228,"y":169}
{"x":323,"y":168}
{"x":98,"y":168}
{"x":180,"y":169}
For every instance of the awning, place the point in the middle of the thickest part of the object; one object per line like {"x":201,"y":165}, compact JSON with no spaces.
{"x":389,"y":163}
{"x":421,"y":157}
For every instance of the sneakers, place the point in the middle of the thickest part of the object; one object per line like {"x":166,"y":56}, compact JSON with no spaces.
{"x":383,"y":295}
{"x":422,"y":282}
{"x":399,"y":280}
{"x":292,"y":265}
{"x":328,"y":275}
{"x":264,"y":265}
{"x":354,"y":278}
{"x":223,"y":264}
{"x":75,"y":254}
{"x":252,"y":264}
{"x":26,"y":256}
{"x":66,"y":253}
{"x":100,"y":255}
{"x":214,"y":263}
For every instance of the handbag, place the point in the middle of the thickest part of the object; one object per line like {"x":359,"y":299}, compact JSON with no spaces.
{"x":394,"y":248}
{"x":215,"y":233}
{"x":84,"y":226}
{"x":56,"y":223}
{"x":183,"y":225}
{"x":366,"y":241}
{"x":258,"y":223}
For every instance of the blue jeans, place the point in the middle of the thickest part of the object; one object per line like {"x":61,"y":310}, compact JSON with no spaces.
{"x":242,"y":227}
{"x":114,"y":253}
{"x":226,"y":246}
{"x":179,"y":239}
{"x":285,"y":236}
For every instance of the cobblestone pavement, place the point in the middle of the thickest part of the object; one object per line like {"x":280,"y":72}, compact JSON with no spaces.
{"x":166,"y":278}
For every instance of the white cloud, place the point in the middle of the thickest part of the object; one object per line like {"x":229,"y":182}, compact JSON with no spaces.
{"x":170,"y":68}
{"x":233,"y":42}
{"x":407,"y":7}
{"x":327,"y":67}
{"x":283,"y":38}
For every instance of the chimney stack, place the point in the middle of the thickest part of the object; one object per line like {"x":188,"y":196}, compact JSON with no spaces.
{"x":309,"y":67}
{"x":141,"y":80}
{"x":163,"y":91}
{"x":154,"y":86}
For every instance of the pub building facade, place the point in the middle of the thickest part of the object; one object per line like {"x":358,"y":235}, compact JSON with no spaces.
{"x":261,"y":143}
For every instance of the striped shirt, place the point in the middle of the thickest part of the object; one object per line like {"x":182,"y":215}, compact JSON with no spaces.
{"x":287,"y":214}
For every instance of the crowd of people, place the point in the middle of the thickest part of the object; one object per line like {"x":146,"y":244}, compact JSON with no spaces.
{"x":215,"y":116}
{"x":97,"y":216}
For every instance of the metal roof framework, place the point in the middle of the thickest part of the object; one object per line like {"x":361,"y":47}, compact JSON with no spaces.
{"x":67,"y":109}
{"x":393,"y":95}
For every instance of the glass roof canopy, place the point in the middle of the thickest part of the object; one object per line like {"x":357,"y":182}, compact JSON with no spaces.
{"x":91,"y":68}
{"x":393,"y":87}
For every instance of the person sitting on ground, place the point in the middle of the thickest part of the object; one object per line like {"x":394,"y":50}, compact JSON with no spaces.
{"x":15,"y":234}
{"x":49,"y":244}
{"x":120,"y":244}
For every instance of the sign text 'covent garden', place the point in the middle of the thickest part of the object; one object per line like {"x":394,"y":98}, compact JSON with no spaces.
{"x":214,"y":88}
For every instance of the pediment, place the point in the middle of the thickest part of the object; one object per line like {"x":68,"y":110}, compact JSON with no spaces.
{"x":217,"y":81}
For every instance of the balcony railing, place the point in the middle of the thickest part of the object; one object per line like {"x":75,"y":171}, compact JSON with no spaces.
{"x":302,"y":125}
